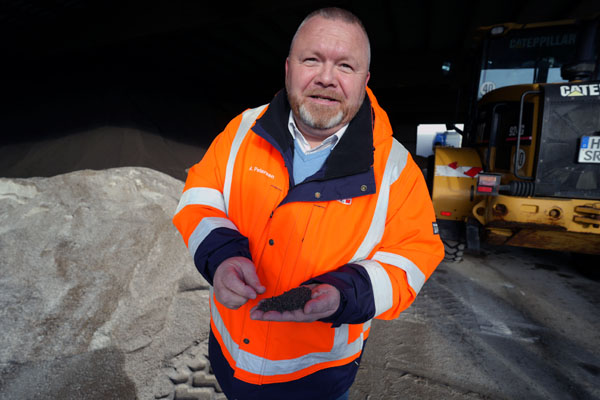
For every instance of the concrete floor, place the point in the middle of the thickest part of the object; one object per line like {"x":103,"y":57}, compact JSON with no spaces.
{"x":510,"y":323}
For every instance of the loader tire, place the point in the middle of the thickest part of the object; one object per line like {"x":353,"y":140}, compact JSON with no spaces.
{"x":454,"y":250}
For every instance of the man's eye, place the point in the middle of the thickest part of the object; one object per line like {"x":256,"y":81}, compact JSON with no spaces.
{"x":310,"y":60}
{"x":346,"y":67}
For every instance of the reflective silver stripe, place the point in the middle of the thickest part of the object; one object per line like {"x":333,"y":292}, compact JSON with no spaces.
{"x":458,"y":172}
{"x":247,"y":120}
{"x":262,"y":366}
{"x":393,"y":168}
{"x":415,"y":277}
{"x":202,"y":196}
{"x":367,"y":325}
{"x":206,"y":226}
{"x":383,"y":293}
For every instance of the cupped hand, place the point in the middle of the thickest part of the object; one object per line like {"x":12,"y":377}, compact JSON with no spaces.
{"x":325,"y":300}
{"x":235,"y":282}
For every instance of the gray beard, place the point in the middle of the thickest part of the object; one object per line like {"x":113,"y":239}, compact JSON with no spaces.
{"x":309,"y":120}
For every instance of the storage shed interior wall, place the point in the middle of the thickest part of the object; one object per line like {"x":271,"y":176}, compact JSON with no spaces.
{"x":184,"y":68}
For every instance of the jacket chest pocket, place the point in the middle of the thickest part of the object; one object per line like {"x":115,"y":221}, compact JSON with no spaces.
{"x":333,"y":234}
{"x":256,"y":193}
{"x":257,"y":207}
{"x":304,"y":239}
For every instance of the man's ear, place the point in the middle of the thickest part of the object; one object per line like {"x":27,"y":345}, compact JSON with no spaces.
{"x":287,"y":60}
{"x":368,"y":76}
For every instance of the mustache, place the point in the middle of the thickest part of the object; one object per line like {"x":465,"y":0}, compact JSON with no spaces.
{"x":328,"y":94}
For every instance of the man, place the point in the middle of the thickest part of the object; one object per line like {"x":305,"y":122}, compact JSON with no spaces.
{"x":310,"y":190}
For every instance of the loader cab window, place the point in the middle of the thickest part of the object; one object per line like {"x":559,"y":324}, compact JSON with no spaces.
{"x":525,"y":56}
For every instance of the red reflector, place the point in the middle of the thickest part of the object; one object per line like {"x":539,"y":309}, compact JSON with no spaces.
{"x":446,"y":213}
{"x":487,"y":189}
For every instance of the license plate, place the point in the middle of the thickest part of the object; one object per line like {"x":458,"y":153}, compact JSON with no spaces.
{"x":589,"y":149}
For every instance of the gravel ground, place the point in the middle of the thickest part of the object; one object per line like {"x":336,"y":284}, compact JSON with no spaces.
{"x":510,"y":323}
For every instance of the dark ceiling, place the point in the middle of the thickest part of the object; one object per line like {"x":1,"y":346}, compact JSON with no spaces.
{"x":184,"y":66}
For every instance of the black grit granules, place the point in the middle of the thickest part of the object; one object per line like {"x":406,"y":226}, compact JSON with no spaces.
{"x":291,"y":300}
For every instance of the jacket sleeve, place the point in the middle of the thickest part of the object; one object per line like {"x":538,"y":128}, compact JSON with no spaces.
{"x":386,"y":283}
{"x":201,"y":214}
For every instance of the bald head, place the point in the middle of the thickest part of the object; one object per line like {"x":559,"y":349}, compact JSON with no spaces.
{"x":337,"y":14}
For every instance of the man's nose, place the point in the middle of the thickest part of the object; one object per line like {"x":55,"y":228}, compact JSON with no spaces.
{"x":326,"y":75}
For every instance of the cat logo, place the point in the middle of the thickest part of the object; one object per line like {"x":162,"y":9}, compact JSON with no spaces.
{"x":580,"y":90}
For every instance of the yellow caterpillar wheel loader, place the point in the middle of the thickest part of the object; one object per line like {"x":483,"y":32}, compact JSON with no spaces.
{"x":528,"y":173}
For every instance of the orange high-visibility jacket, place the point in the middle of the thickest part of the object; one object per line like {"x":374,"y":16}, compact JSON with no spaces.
{"x":364,"y":223}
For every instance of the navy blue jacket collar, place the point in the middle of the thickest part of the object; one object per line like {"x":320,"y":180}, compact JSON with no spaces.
{"x":347,"y":172}
{"x":354,"y":152}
